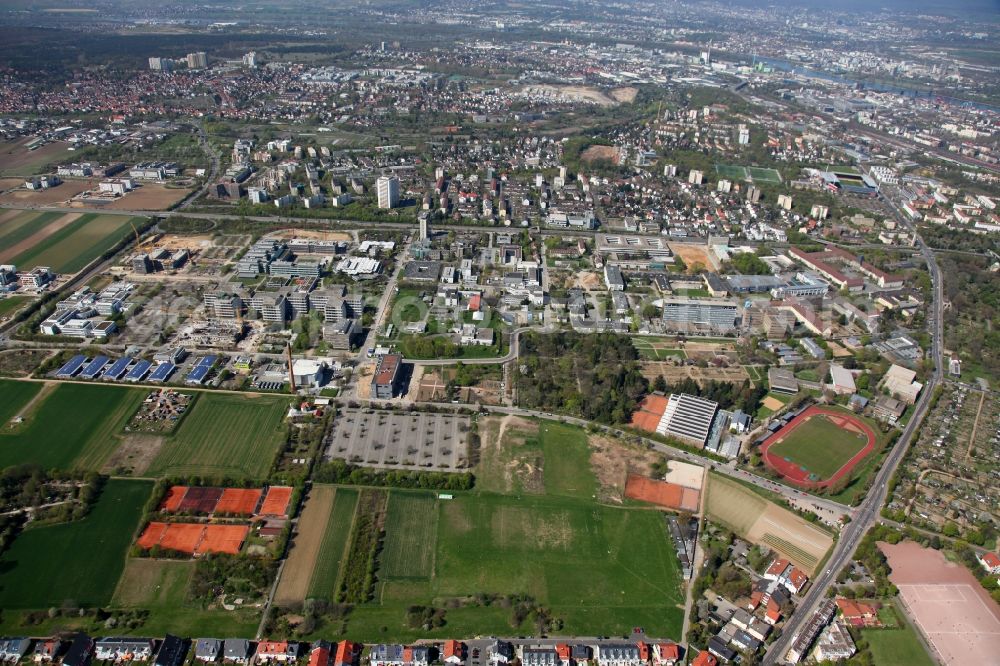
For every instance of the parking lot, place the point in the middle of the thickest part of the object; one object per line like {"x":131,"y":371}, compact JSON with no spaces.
{"x":400,"y":440}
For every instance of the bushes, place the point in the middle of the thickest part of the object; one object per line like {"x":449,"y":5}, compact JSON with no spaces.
{"x":358,"y":583}
{"x":339,"y":471}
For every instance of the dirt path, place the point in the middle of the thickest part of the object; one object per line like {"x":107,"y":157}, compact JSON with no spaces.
{"x":9,"y":253}
{"x":47,"y":388}
{"x":975,"y":426}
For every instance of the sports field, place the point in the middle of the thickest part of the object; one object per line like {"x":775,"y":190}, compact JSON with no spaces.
{"x":731,"y":172}
{"x":79,"y":561}
{"x":75,"y":426}
{"x":225,"y":435}
{"x":69,"y":241}
{"x":761,"y":175}
{"x":756,"y":519}
{"x":819,"y":447}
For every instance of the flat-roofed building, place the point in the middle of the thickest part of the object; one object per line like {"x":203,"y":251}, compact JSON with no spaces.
{"x":698,"y":314}
{"x":688,"y":417}
{"x":386,"y":380}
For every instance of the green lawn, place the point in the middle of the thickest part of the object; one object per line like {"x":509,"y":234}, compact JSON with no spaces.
{"x":225,"y":435}
{"x":566,"y":461}
{"x":78,"y":243}
{"x":896,"y":647}
{"x":75,"y":426}
{"x":12,"y":304}
{"x":333,"y":550}
{"x":411,"y":530}
{"x":15,"y":396}
{"x":79,"y":561}
{"x":819,"y":445}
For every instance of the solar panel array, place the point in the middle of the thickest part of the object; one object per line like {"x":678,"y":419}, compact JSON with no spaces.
{"x":118,"y":368}
{"x":72,"y":366}
{"x":139,"y":372}
{"x":162,"y":372}
{"x":94,"y":367}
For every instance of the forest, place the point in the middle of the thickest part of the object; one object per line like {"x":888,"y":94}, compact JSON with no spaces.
{"x":596,"y":377}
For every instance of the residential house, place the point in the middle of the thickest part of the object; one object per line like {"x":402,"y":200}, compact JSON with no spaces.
{"x":453,"y":652}
{"x":416,"y":655}
{"x":835,"y":644}
{"x":580,"y":654}
{"x":705,"y":658}
{"x":720,"y":648}
{"x":501,"y":652}
{"x":123,"y":649}
{"x":666,"y":654}
{"x":207,"y":649}
{"x":386,"y":655}
{"x":618,"y":654}
{"x":858,"y":614}
{"x":236,"y":650}
{"x":173,"y":651}
{"x":782,"y":571}
{"x":47,"y":651}
{"x":320,"y":654}
{"x":539,"y":657}
{"x":80,"y":652}
{"x":14,"y":649}
{"x":990,"y":562}
{"x":280,"y":651}
{"x":347,"y":653}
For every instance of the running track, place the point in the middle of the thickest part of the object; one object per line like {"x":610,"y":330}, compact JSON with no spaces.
{"x":793,"y":472}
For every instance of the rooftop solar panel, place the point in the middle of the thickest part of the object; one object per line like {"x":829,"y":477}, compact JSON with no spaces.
{"x":162,"y":372}
{"x":198,"y":374}
{"x":72,"y":366}
{"x":207,"y":361}
{"x":118,"y":368}
{"x":139,"y":372}
{"x":94,"y":367}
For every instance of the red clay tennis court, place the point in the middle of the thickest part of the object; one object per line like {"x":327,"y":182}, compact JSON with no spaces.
{"x":222,"y":539}
{"x":200,"y":500}
{"x":276,"y":502}
{"x":647,"y":416}
{"x":194,"y":538}
{"x":172,"y":500}
{"x":662,"y":493}
{"x":238,"y":501}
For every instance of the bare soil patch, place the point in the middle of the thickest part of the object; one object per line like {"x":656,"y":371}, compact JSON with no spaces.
{"x":604,"y":153}
{"x":612,"y":462}
{"x":58,"y":194}
{"x":625,"y":95}
{"x":136,"y":453}
{"x":312,"y":233}
{"x":673,"y":373}
{"x":692,"y":254}
{"x":772,"y":403}
{"x":150,"y":196}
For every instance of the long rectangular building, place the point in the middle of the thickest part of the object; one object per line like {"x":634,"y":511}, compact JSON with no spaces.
{"x":688,"y":417}
{"x":701,"y":315}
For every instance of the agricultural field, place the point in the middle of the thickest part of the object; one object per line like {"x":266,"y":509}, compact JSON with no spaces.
{"x":72,"y":426}
{"x":53,"y":554}
{"x":225,"y":435}
{"x":12,"y":304}
{"x":17,"y":160}
{"x":15,"y":396}
{"x":68,"y":242}
{"x":764,"y":523}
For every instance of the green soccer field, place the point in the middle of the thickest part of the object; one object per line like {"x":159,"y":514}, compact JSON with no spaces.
{"x":225,"y":435}
{"x":819,"y":445}
{"x":761,"y":175}
{"x":731,"y":172}
{"x":75,"y":426}
{"x":79,"y":562}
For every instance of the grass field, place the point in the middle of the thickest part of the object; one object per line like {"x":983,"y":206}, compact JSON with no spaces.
{"x":77,"y":244}
{"x":79,"y":561}
{"x":75,"y":426}
{"x":731,"y":172}
{"x":333,"y":548}
{"x":225,"y":435}
{"x":760,"y":175}
{"x":12,"y":304}
{"x":895,"y":647}
{"x":411,"y":530}
{"x":657,"y":349}
{"x":154,"y":583}
{"x":566,"y":466}
{"x":15,"y":396}
{"x":819,"y":445}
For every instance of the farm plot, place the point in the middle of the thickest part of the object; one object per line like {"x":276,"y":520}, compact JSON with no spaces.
{"x":73,"y":246}
{"x":17,"y":160}
{"x":16,"y":395}
{"x":76,"y":426}
{"x":53,"y":554}
{"x":310,"y":532}
{"x":323,"y":583}
{"x":411,"y":532}
{"x":763,"y":522}
{"x":224,"y":436}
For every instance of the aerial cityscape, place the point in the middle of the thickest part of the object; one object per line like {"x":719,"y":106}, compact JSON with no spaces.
{"x":463,"y":333}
